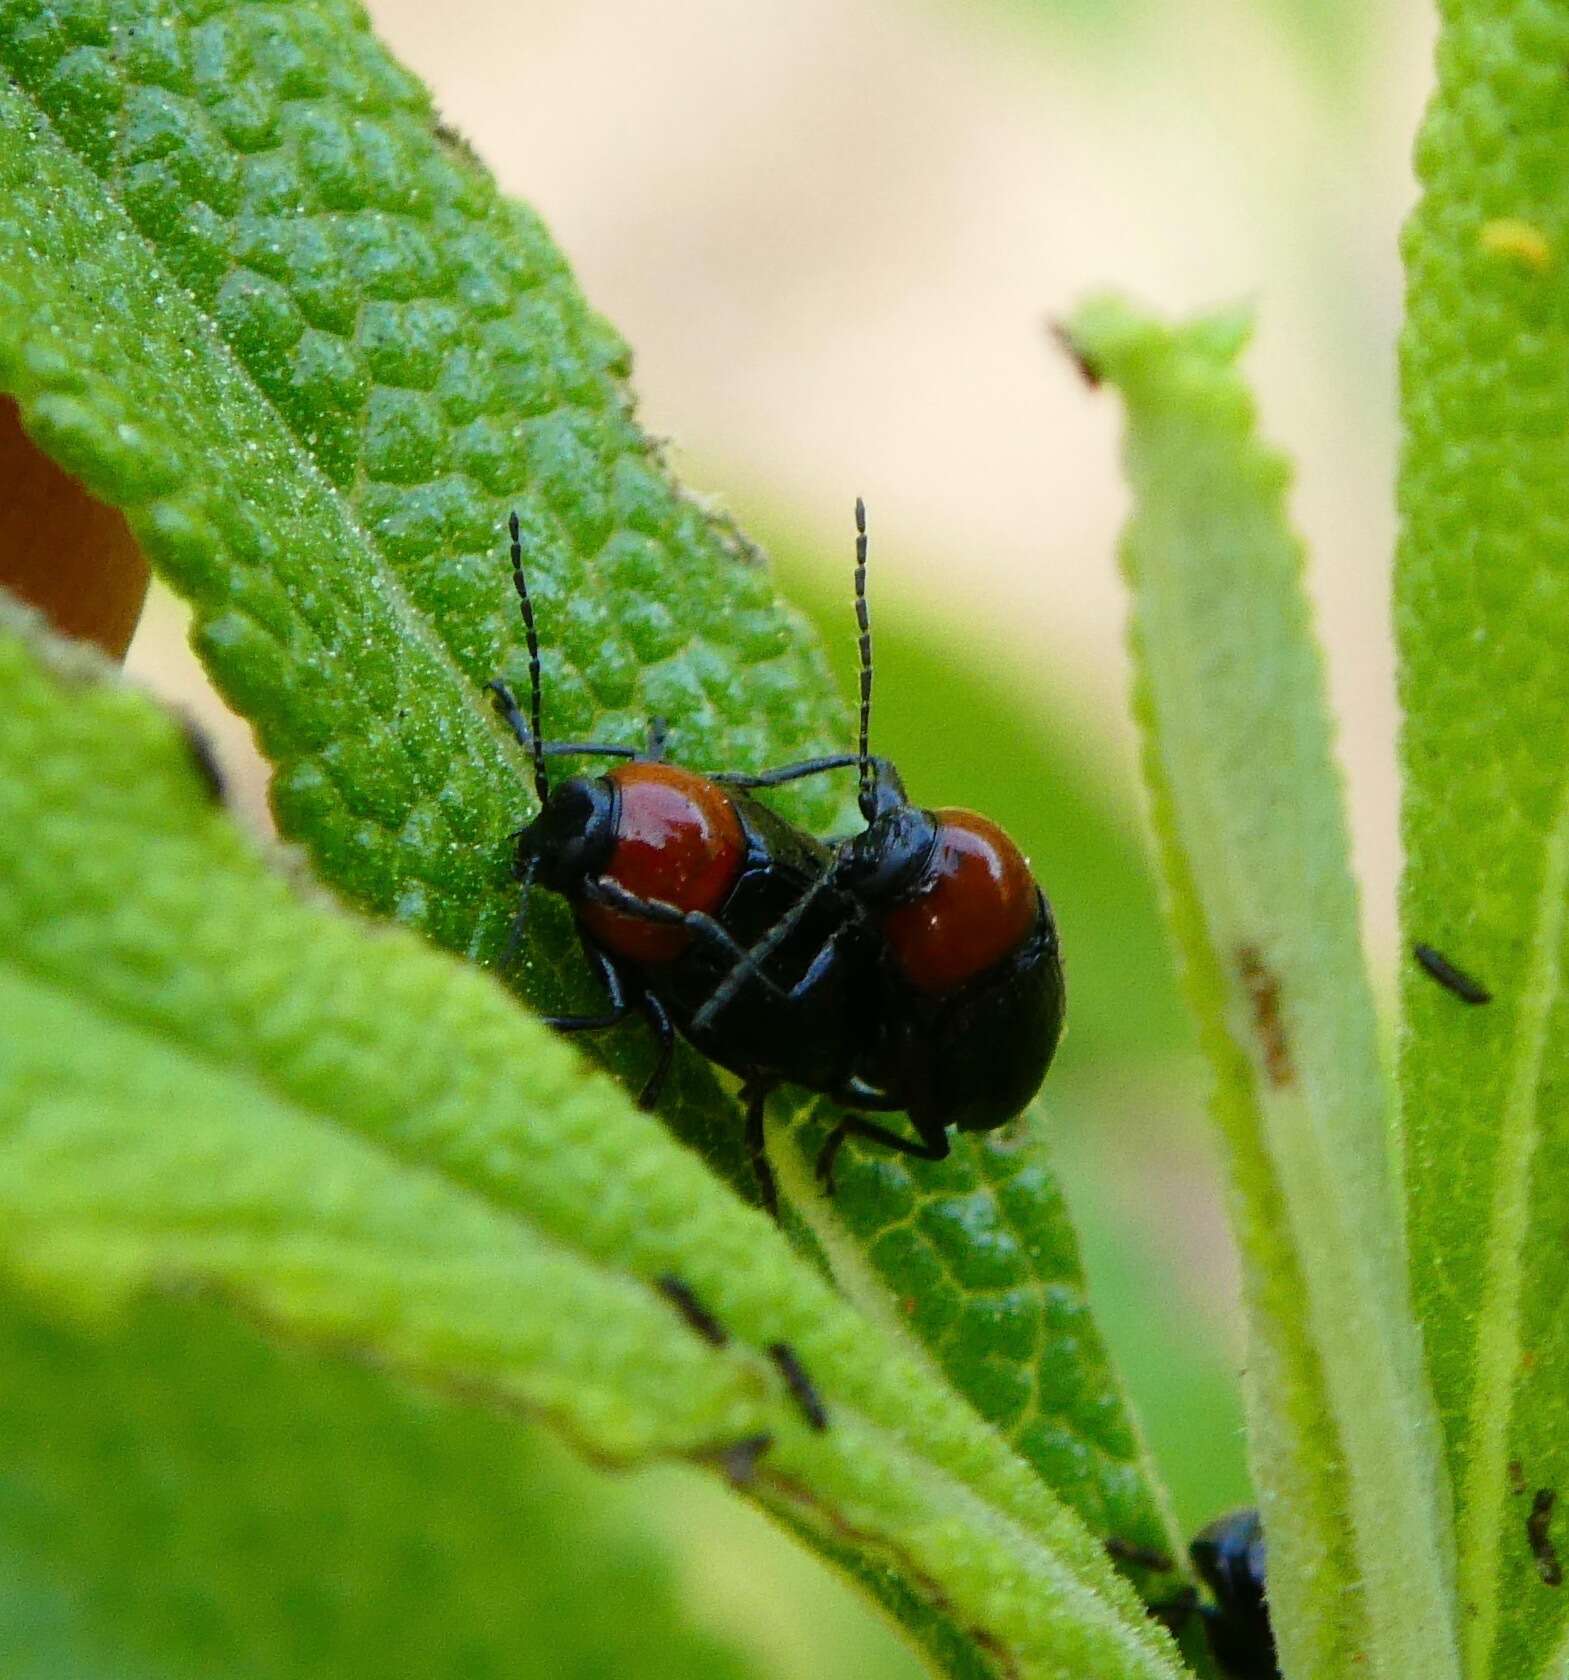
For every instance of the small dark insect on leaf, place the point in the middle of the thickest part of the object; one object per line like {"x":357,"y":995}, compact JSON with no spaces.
{"x":1542,"y":1547}
{"x":459,"y":142}
{"x":739,"y":1461}
{"x":1516,"y":1478}
{"x":682,"y":1298}
{"x":1452,"y":979}
{"x":802,"y":1390}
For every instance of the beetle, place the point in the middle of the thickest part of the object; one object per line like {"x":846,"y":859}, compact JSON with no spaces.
{"x":702,"y":907}
{"x":1230,"y":1557}
{"x":913,"y":966}
{"x":971,"y":995}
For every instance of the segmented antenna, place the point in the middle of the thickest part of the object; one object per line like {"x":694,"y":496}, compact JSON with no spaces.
{"x":535,"y":703}
{"x":863,"y":621}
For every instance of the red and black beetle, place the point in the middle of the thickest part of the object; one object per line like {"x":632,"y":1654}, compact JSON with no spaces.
{"x":970,"y":995}
{"x":702,"y":907}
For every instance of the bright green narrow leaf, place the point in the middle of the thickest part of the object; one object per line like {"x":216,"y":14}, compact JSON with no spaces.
{"x":1248,"y":817}
{"x":361,"y":1143}
{"x":1482,"y":618}
{"x":175,"y":1488}
{"x":251,"y":293}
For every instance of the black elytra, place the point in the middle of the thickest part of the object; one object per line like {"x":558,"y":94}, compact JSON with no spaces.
{"x":911,"y":966}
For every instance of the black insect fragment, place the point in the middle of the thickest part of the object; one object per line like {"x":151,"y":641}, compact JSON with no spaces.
{"x":1089,"y":370}
{"x":1452,"y":979}
{"x":1542,"y":1547}
{"x":682,"y":1298}
{"x":802,"y":1390}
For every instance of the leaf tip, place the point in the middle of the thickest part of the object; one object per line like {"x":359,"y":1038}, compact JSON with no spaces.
{"x":1108,"y":337}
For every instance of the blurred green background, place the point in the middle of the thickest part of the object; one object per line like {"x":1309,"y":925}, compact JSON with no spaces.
{"x":833,"y":232}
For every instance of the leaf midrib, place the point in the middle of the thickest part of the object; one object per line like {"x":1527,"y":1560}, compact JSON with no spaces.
{"x":1497,"y":1358}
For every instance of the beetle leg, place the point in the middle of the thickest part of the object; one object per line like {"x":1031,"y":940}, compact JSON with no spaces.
{"x":615,"y":992}
{"x":798,"y":772}
{"x":749,"y":965}
{"x":665,"y":1038}
{"x":755,"y":1093}
{"x":932,"y":1145}
{"x":506,"y":704}
{"x":600,"y":890}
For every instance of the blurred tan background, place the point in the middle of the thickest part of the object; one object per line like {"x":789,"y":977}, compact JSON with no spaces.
{"x":833,"y":232}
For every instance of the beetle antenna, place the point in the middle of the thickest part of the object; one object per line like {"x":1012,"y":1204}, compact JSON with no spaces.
{"x":863,"y":620}
{"x":531,"y":635}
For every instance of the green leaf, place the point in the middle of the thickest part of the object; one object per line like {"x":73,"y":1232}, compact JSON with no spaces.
{"x":178,"y":1490}
{"x":362,"y":1144}
{"x":1482,"y":616}
{"x":250,"y":293}
{"x":975,"y":1265}
{"x":1248,"y":818}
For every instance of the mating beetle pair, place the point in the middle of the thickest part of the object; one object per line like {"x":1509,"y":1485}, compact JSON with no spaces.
{"x":911,"y":967}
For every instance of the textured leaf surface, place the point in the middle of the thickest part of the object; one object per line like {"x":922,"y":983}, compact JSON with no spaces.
{"x":252,"y":294}
{"x":176,"y":1491}
{"x":1248,"y":818}
{"x":363,"y":1144}
{"x":1482,"y":617}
